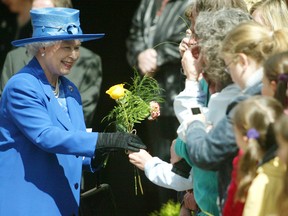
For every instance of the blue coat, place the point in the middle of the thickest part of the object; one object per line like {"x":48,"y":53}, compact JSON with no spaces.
{"x":41,"y":151}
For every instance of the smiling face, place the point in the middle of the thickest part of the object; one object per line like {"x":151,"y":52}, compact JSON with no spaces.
{"x":58,"y":59}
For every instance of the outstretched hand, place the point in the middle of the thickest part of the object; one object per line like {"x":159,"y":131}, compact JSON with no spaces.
{"x":119,"y":140}
{"x":139,"y":159}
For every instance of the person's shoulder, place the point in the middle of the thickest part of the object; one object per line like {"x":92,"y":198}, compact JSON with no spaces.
{"x":21,"y":79}
{"x":18,"y":52}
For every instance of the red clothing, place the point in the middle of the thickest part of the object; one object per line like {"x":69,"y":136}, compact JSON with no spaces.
{"x":231,"y":207}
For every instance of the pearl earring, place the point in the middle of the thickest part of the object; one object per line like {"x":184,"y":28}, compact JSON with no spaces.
{"x":43,"y":54}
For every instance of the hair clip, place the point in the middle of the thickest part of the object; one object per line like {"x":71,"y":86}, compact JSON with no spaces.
{"x":283,"y":77}
{"x":252,"y":133}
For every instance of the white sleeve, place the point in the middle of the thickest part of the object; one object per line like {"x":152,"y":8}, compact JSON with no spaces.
{"x":191,"y":96}
{"x":159,"y":172}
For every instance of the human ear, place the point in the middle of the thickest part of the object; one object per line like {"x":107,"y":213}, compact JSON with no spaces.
{"x":273,"y":85}
{"x":243,"y":61}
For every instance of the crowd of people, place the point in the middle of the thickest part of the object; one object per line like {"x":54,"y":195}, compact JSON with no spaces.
{"x":225,"y":76}
{"x":232,"y":145}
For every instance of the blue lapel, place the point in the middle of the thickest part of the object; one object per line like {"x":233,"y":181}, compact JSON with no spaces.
{"x":74,"y":106}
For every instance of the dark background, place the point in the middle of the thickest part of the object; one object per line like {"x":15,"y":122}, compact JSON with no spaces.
{"x":113,"y":17}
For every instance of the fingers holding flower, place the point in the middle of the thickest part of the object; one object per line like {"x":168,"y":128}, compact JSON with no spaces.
{"x":139,"y":159}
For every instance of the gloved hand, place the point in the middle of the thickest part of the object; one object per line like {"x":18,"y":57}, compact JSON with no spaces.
{"x":119,"y":140}
{"x":109,"y":142}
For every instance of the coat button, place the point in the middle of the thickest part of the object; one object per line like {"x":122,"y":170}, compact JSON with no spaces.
{"x":76,"y":186}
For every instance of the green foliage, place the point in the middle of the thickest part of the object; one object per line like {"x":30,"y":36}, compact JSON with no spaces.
{"x":168,"y":209}
{"x":146,"y":88}
{"x":134,"y":107}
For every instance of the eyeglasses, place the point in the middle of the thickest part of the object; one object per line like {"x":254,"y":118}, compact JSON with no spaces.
{"x":227,"y":66}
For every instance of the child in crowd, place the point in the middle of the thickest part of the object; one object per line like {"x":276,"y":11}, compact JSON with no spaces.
{"x":271,"y":13}
{"x":275,"y":78}
{"x":205,"y":183}
{"x":244,"y":51}
{"x":274,"y":81}
{"x":282,"y":138}
{"x":260,"y":173}
{"x":210,"y":29}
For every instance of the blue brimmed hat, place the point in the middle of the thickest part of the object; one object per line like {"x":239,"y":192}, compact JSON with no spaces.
{"x":53,"y":24}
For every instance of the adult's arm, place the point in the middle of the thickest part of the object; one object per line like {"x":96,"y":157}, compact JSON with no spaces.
{"x":31,"y":113}
{"x":210,"y":150}
{"x":160,"y":173}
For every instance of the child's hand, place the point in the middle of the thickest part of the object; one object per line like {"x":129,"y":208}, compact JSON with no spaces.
{"x":140,"y":158}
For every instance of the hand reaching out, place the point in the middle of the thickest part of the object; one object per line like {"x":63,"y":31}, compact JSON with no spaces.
{"x":140,"y":158}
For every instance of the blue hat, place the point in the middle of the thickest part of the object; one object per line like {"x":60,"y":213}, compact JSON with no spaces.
{"x":53,"y":24}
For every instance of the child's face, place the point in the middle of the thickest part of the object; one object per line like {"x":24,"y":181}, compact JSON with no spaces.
{"x":234,"y":69}
{"x":283,"y":149}
{"x":241,"y":140}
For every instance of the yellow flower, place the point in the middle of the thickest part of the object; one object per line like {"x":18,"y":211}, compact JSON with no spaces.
{"x":116,"y":91}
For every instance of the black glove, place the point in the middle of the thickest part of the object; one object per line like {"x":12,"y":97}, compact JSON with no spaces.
{"x":182,"y":168}
{"x":118,"y":140}
{"x":109,"y":142}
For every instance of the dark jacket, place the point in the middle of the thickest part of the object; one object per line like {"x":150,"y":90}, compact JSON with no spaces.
{"x":168,"y":33}
{"x":215,"y":150}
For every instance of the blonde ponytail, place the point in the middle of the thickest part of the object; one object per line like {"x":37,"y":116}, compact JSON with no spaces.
{"x":255,"y":41}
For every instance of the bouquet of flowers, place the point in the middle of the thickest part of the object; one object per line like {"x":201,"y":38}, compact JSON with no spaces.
{"x":137,"y":102}
{"x":134,"y":104}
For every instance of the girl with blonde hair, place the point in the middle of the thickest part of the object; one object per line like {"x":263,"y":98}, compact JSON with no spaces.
{"x":244,"y":51}
{"x":260,"y":172}
{"x":246,"y":48}
{"x":271,"y":13}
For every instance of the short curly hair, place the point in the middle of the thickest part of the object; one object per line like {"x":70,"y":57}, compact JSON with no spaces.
{"x":211,"y":29}
{"x":214,"y":5}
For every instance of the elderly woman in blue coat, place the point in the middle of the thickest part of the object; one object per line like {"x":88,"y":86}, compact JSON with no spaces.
{"x":43,"y":138}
